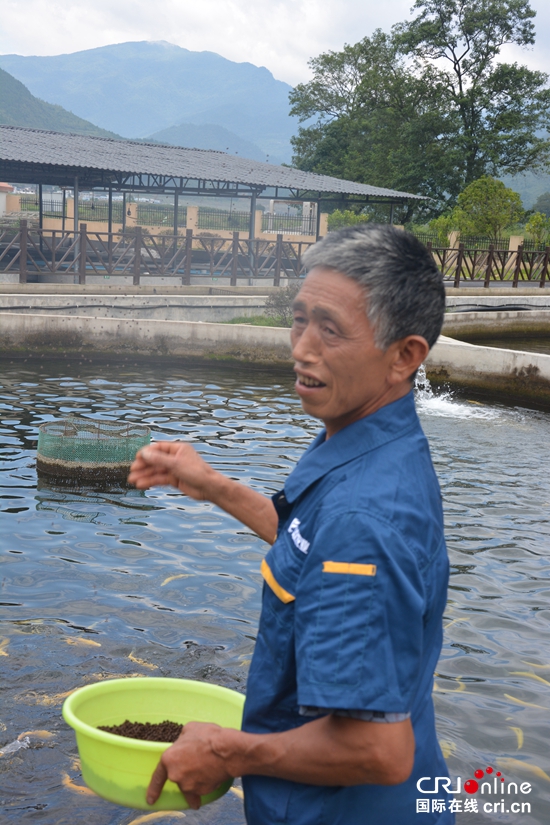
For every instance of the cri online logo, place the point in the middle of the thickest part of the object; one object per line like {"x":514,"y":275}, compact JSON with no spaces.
{"x":471,"y":785}
{"x":493,"y":784}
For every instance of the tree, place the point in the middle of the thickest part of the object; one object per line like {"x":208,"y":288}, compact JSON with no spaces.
{"x":279,"y":304}
{"x":486,"y":207}
{"x":427,"y":108}
{"x":501,"y":107}
{"x":443,"y":226}
{"x":538,"y":226}
{"x":542,"y":204}
{"x":378,"y":121}
{"x":345,"y":217}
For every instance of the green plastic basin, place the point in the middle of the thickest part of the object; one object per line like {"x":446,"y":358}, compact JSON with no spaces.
{"x":119,"y":769}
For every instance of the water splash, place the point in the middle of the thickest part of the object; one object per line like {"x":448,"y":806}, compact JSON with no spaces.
{"x":443,"y":405}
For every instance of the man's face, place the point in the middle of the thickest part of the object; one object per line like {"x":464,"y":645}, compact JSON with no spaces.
{"x":341,"y":375}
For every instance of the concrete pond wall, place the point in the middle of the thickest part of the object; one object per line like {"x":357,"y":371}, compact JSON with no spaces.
{"x":521,"y":376}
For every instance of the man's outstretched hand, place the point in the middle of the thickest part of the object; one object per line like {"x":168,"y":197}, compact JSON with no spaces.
{"x":191,"y":762}
{"x":175,"y":464}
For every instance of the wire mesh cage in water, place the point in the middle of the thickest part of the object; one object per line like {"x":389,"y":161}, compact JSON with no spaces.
{"x":89,"y":450}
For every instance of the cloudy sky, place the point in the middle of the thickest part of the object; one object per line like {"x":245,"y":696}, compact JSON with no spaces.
{"x":279,"y":34}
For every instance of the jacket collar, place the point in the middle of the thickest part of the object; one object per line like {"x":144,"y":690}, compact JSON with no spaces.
{"x":386,"y":424}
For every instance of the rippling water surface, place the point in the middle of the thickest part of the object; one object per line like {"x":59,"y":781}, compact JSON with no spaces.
{"x":117,"y":582}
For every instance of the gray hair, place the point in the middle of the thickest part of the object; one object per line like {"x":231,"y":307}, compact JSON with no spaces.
{"x":403,"y":286}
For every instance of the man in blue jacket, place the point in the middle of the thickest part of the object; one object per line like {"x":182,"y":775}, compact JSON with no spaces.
{"x":339,"y":722}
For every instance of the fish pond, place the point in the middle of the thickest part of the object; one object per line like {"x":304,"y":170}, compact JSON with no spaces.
{"x":108,"y":582}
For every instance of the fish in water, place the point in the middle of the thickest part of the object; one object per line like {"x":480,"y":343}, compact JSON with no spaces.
{"x":530,"y":676}
{"x":519,"y":734}
{"x":67,"y":782}
{"x":173,"y":578}
{"x":447,"y":747}
{"x":237,"y":791}
{"x":38,"y":734}
{"x":525,"y":704}
{"x":142,"y":662}
{"x":507,"y":763}
{"x":146,"y":818}
{"x":80,"y":641}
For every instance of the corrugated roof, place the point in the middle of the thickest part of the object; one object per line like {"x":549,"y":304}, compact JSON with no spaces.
{"x":37,"y":147}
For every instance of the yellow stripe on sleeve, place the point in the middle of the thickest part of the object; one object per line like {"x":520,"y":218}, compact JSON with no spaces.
{"x":271,"y":581}
{"x":346,"y":567}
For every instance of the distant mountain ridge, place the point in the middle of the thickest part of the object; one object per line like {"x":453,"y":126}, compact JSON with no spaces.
{"x":18,"y":107}
{"x":208,"y":136}
{"x":139,"y":89}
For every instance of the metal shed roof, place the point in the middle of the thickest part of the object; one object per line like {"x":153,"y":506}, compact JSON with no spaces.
{"x":36,"y":156}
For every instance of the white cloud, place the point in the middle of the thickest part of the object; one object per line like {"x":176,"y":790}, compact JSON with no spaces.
{"x":279,"y":34}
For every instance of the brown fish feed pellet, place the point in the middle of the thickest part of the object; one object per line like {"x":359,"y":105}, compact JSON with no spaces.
{"x":146,"y":731}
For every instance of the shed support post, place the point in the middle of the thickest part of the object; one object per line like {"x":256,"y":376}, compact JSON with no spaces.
{"x":186,"y":280}
{"x":318,"y":220}
{"x":137,"y":256}
{"x":75,"y":210}
{"x":252,"y":217}
{"x":63,"y":209}
{"x":176,"y":206}
{"x":392,"y":205}
{"x":23,"y":252}
{"x":40,"y":215}
{"x":82,"y":262}
{"x":75,"y":224}
{"x":110,"y":217}
{"x":251,"y":236}
{"x":123,"y":212}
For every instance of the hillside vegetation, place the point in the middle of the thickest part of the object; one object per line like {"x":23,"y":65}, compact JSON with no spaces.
{"x":18,"y":107}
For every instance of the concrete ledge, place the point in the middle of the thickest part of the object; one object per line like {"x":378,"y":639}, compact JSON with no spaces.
{"x":522,"y":323}
{"x":513,"y":374}
{"x":518,"y":376}
{"x":488,"y":302}
{"x":104,"y":288}
{"x":77,"y":334}
{"x":210,"y":308}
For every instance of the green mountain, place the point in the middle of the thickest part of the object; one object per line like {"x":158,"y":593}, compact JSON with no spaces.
{"x":139,"y":89}
{"x":18,"y":107}
{"x":209,"y":136}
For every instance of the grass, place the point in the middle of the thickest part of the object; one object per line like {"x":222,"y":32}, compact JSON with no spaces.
{"x":257,"y":321}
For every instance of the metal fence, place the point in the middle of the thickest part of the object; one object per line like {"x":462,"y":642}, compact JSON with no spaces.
{"x":222,"y":220}
{"x":427,"y":237}
{"x":160,"y":214}
{"x":148,"y":214}
{"x":32,"y":252}
{"x":50,"y":207}
{"x":289,"y":224}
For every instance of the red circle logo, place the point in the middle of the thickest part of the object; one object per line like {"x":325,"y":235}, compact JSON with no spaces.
{"x":471,"y":786}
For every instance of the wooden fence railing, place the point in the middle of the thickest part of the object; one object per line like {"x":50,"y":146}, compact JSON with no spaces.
{"x":515,"y":267}
{"x":32,"y":252}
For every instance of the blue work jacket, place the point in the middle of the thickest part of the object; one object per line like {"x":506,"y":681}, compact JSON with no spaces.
{"x":354,"y":591}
